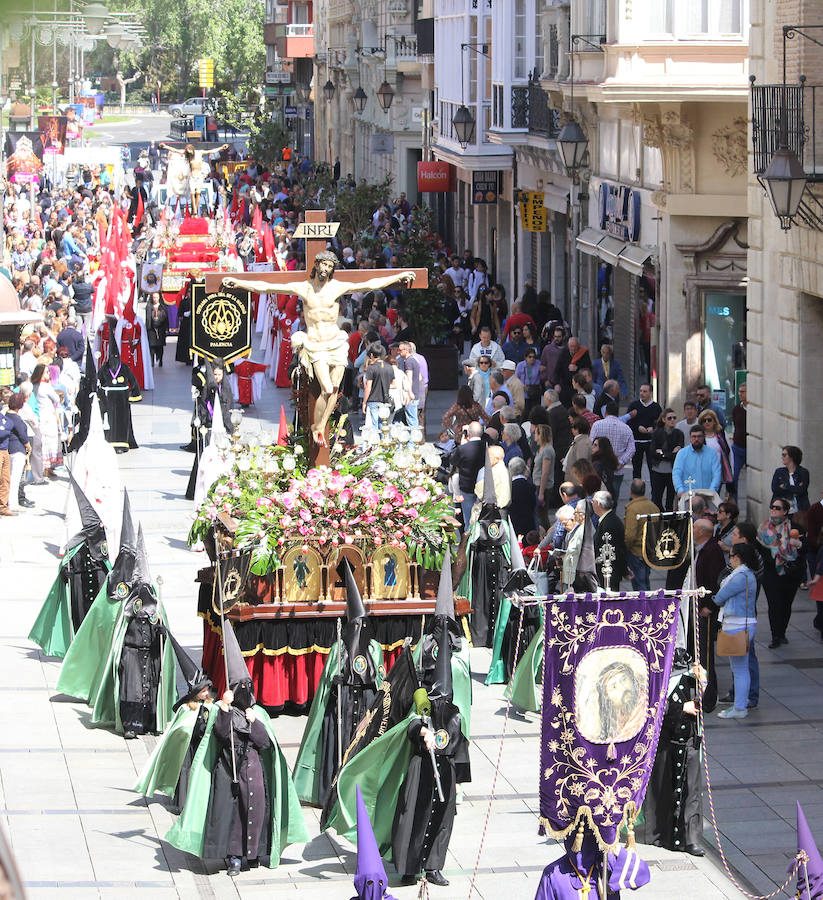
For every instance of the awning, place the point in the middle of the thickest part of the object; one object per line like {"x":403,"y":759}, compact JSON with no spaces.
{"x":555,"y":198}
{"x":633,"y":258}
{"x":615,"y":252}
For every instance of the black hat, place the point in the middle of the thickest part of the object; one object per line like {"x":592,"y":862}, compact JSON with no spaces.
{"x":238,"y":672}
{"x":354,"y":602}
{"x":441,"y":688}
{"x":123,"y":569}
{"x":489,"y":493}
{"x":444,"y":605}
{"x":92,"y":530}
{"x":196,"y":679}
{"x":114,"y":351}
{"x":141,"y":574}
{"x":520,"y":580}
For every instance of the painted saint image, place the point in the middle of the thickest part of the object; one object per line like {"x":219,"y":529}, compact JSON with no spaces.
{"x":611,"y":695}
{"x":390,"y":570}
{"x":301,"y":570}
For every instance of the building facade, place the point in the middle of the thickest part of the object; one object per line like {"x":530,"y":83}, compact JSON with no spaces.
{"x":785,"y":285}
{"x":360,"y":44}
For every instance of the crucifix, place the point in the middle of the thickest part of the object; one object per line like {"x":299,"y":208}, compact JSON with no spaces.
{"x":606,"y":557}
{"x":322,"y":350}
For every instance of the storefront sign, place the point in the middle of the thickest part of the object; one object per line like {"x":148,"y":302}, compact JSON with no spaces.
{"x":436,"y":177}
{"x":485,"y":187}
{"x":533,"y":215}
{"x":620,"y":211}
{"x":221,"y":323}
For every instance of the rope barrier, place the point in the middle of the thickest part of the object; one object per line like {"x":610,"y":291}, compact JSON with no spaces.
{"x":800,"y":859}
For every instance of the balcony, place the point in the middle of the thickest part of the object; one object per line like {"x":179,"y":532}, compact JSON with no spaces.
{"x":531,"y":110}
{"x":291,"y":41}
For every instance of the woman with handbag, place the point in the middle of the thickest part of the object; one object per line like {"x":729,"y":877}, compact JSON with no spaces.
{"x":738,"y":619}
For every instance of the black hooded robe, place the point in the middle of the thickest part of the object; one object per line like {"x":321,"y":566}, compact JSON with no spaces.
{"x":139,"y":672}
{"x":423,"y":825}
{"x":183,"y":352}
{"x":85,"y":574}
{"x":673,"y":807}
{"x":199,"y":729}
{"x":213,"y":398}
{"x":117,"y":388}
{"x":357,"y":693}
{"x":488,"y":575}
{"x":237,"y":822}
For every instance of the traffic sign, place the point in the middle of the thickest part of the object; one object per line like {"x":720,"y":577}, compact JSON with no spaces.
{"x":278,"y":77}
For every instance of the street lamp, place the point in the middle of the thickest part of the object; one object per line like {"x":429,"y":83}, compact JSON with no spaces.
{"x":94,"y":15}
{"x":572,"y":145}
{"x":385,"y":95}
{"x":114,"y":34}
{"x":328,"y":90}
{"x":360,"y":99}
{"x":463,"y":123}
{"x":784,"y":182}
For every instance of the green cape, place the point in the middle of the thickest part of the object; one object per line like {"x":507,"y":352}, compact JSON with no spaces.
{"x":162,"y":769}
{"x":380,"y":768}
{"x":53,"y":631}
{"x":85,"y":660}
{"x":105,"y":702}
{"x":523,"y":689}
{"x":287,"y":823}
{"x":308,"y":757}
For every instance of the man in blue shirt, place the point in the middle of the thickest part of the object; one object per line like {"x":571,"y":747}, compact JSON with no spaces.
{"x":697,"y":462}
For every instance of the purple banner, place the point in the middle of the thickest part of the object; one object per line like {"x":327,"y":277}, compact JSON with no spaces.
{"x":607,"y":666}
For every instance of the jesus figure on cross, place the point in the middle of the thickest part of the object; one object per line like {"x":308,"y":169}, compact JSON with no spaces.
{"x":323,"y":348}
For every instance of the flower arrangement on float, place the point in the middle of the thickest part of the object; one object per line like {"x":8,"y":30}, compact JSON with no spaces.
{"x":372,"y":495}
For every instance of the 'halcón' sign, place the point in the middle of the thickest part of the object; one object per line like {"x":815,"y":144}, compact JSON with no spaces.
{"x":221,"y":323}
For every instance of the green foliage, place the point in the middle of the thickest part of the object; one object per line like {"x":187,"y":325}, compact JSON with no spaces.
{"x":267,"y":139}
{"x":354,"y":209}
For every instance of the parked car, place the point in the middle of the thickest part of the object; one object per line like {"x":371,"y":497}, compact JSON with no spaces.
{"x":194,"y":106}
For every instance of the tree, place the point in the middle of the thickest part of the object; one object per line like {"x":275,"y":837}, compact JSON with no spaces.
{"x":267,"y":139}
{"x":355,"y":208}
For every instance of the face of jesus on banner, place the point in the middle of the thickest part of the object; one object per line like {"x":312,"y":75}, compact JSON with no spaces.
{"x":611,"y":695}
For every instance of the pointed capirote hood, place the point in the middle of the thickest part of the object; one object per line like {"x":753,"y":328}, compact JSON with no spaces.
{"x":92,"y":531}
{"x":236,"y":665}
{"x":354,"y":602}
{"x":142,"y":574}
{"x":441,"y":688}
{"x":586,"y":571}
{"x":113,"y":360}
{"x":814,"y":867}
{"x":370,"y":880}
{"x":489,"y":492}
{"x":90,"y":370}
{"x":123,"y":569}
{"x":444,"y":605}
{"x":88,"y":514}
{"x":195,"y":678}
{"x":520,"y":579}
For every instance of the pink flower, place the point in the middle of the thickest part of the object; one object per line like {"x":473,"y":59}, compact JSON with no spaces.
{"x":385,"y":509}
{"x":304,"y":514}
{"x":303,"y":530}
{"x":418,"y":495}
{"x":287,"y":520}
{"x":412,"y":513}
{"x":345,"y":496}
{"x":289,"y":501}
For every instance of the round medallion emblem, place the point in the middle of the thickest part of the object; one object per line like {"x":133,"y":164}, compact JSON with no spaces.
{"x":360,"y":665}
{"x":441,"y":739}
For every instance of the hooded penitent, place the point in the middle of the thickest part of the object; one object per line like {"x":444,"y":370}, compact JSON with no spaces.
{"x":813,"y":868}
{"x":194,"y":676}
{"x":92,"y":531}
{"x":520,"y":581}
{"x":117,"y":388}
{"x":239,"y":680}
{"x":370,"y":880}
{"x":123,"y":570}
{"x":360,"y":669}
{"x":85,"y":392}
{"x":488,"y":509}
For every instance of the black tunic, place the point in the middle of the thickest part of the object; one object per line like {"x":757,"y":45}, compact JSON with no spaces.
{"x":488,"y":574}
{"x":117,"y":389}
{"x":236,"y":822}
{"x":139,"y":673}
{"x":183,"y":352}
{"x":213,"y":399}
{"x":357,"y":693}
{"x":422,"y":824}
{"x":84,"y":576}
{"x":673,"y":808}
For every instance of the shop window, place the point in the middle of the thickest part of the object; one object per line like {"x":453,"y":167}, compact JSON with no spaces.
{"x":724,"y":344}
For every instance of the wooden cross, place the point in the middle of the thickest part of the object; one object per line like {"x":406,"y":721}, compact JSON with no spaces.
{"x":318,"y":454}
{"x":313,"y":247}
